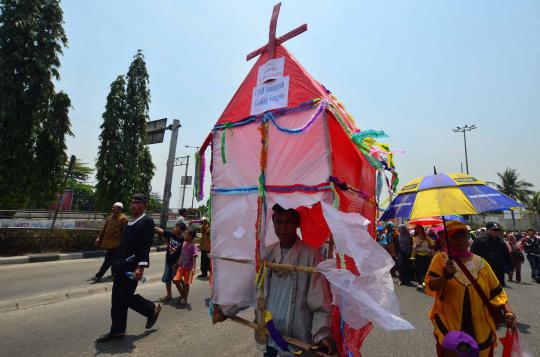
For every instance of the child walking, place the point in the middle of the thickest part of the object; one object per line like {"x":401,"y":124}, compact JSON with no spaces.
{"x":175,"y":239}
{"x":186,"y":267}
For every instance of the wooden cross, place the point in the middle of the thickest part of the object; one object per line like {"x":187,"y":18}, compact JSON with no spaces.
{"x":270,"y":47}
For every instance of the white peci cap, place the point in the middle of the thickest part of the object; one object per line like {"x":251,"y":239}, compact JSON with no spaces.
{"x":119,"y":205}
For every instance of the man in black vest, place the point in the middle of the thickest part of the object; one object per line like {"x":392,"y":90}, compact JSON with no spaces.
{"x":132,"y":258}
{"x":493,"y":249}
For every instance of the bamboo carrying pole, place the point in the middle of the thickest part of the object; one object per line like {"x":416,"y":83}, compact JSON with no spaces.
{"x":289,"y":340}
{"x":273,"y":266}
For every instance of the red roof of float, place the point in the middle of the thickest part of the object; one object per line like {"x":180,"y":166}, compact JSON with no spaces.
{"x":302,"y":87}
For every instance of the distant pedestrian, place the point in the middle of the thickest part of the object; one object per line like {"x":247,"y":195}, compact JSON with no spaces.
{"x":175,"y":239}
{"x":133,"y":257}
{"x":516,"y":255}
{"x":493,"y":249}
{"x":422,"y":249}
{"x":109,"y":238}
{"x":186,"y":267}
{"x":204,"y":247}
{"x":182,"y":213}
{"x":404,"y":255}
{"x":531,"y":244}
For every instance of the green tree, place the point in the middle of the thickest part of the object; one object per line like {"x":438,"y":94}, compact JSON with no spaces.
{"x":533,"y":204}
{"x":110,"y":186}
{"x":84,"y":197}
{"x":138,"y":165}
{"x":512,"y":186}
{"x":31,"y":41}
{"x":51,"y":151}
{"x":155,"y":204}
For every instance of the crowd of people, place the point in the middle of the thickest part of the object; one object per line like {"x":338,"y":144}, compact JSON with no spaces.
{"x":127,"y":243}
{"x":414,"y":247}
{"x":463,"y":270}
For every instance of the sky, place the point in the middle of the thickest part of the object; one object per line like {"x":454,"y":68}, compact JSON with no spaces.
{"x":415,"y":69}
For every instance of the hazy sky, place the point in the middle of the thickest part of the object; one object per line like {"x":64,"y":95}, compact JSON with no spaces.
{"x":415,"y":69}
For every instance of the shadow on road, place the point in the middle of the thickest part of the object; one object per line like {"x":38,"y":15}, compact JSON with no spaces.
{"x":124,"y":345}
{"x":523,"y":328}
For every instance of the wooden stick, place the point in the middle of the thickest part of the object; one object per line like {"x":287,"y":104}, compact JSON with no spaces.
{"x":289,"y":340}
{"x":288,"y":267}
{"x":273,"y":266}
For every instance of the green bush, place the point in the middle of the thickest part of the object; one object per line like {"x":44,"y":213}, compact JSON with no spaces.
{"x":24,"y":241}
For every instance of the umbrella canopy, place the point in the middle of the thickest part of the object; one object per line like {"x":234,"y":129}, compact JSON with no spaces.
{"x":446,"y":194}
{"x":435,"y":221}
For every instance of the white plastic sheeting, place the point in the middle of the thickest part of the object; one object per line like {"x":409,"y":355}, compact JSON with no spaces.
{"x":234,"y":215}
{"x":370,"y":296}
{"x":289,"y":162}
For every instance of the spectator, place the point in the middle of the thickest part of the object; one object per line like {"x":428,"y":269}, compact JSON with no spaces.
{"x":175,"y":239}
{"x":404,"y":255}
{"x":204,"y":247}
{"x":421,"y":253}
{"x":458,"y":306}
{"x":109,"y":238}
{"x":493,"y":250}
{"x":516,"y":255}
{"x":531,"y":244}
{"x":182,"y":212}
{"x":186,"y":267}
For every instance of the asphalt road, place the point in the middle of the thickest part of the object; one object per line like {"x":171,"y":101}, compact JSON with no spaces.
{"x":69,"y":327}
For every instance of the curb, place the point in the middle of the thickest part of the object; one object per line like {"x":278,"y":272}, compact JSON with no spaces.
{"x":39,"y":258}
{"x":12,"y":305}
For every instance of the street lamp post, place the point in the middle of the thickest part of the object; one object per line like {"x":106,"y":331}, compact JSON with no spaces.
{"x":463,"y":130}
{"x":193,"y":193}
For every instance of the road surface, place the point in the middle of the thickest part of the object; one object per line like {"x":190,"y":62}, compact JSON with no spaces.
{"x":68,"y":326}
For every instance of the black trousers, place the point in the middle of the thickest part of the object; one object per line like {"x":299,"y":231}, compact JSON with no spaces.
{"x":422,"y":266}
{"x":404,"y":265}
{"x":205,"y":263}
{"x":123,"y":298}
{"x":106,"y":263}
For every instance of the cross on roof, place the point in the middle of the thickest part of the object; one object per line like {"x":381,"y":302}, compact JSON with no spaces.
{"x":270,"y":47}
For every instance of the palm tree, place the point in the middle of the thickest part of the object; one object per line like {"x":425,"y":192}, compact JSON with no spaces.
{"x":533,"y":204}
{"x":513,"y":187}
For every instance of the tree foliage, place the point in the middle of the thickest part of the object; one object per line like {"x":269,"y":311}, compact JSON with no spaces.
{"x":110,"y":166}
{"x":33,"y":117}
{"x":51,"y":150}
{"x":124,"y":164}
{"x":139,"y":168}
{"x":84,"y":197}
{"x":512,"y":186}
{"x":533,"y":204}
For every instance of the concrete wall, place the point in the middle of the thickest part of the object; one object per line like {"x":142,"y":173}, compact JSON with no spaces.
{"x":522,"y":221}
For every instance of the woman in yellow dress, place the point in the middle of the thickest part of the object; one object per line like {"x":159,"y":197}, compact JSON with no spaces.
{"x":458,"y":306}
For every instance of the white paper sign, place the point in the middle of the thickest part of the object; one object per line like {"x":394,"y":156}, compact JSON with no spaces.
{"x":271,"y":95}
{"x":272,"y":69}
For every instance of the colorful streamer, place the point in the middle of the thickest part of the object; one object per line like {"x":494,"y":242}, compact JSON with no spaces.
{"x":200,"y":167}
{"x":227,"y":127}
{"x":322,"y":107}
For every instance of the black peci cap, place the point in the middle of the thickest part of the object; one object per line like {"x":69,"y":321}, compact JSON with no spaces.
{"x":139,"y":197}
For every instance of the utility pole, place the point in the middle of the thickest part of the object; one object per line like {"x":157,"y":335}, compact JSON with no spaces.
{"x":185,"y":182}
{"x":72,"y":161}
{"x":183,"y":161}
{"x":193,"y":191}
{"x":463,"y":130}
{"x":155,"y":133}
{"x":169,"y":173}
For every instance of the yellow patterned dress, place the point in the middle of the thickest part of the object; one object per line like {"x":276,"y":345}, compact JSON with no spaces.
{"x":458,"y":307}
